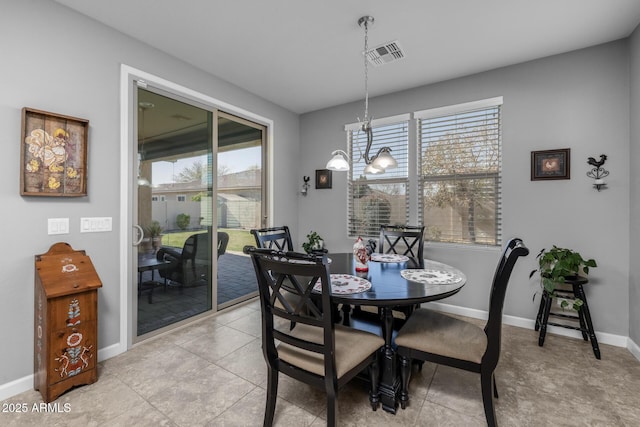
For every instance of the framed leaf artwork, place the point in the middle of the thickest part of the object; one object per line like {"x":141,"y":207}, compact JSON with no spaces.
{"x":53,"y":154}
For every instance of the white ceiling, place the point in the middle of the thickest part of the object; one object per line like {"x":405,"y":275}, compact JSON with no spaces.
{"x":307,"y":55}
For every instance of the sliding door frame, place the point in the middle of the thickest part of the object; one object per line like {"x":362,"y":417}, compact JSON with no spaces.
{"x":130,"y":79}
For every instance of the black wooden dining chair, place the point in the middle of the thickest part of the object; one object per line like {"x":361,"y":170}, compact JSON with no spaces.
{"x":435,"y":337}
{"x":302,"y":340}
{"x":277,"y":238}
{"x":273,"y":238}
{"x":404,"y":240}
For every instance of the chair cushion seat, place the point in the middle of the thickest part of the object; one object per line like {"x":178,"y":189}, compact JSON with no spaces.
{"x":433,"y":332}
{"x":352,"y":347}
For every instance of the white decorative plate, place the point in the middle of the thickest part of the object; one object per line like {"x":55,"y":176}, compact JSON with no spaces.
{"x":345,"y":284}
{"x":431,"y":276}
{"x":378,"y":257}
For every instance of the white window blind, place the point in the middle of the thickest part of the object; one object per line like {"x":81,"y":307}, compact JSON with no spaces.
{"x":379,"y":199}
{"x":460,"y":162}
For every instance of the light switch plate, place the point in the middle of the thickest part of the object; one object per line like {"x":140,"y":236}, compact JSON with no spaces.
{"x":95,"y":224}
{"x":58,"y":226}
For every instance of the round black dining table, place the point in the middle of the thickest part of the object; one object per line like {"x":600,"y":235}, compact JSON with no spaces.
{"x":390,"y":289}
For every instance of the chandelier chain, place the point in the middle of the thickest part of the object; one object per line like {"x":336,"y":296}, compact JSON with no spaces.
{"x":366,"y":72}
{"x":382,"y":160}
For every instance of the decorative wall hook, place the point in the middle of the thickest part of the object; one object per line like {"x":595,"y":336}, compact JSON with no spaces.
{"x":598,"y":172}
{"x":305,"y":186}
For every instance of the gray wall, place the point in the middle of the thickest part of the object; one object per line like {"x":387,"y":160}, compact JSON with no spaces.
{"x":65,"y":63}
{"x":578,"y":100}
{"x":57,"y":60}
{"x":634,"y":226}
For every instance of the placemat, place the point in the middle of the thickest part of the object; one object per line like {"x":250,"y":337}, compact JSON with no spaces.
{"x":431,"y":276}
{"x":345,"y":284}
{"x":378,"y":257}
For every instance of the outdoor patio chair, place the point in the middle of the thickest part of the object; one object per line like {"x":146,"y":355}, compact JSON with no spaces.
{"x":190,"y":265}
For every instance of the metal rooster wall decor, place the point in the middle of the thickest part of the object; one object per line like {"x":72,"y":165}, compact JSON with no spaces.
{"x":598,"y":172}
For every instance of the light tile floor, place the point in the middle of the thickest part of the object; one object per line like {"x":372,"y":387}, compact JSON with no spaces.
{"x":212,"y":373}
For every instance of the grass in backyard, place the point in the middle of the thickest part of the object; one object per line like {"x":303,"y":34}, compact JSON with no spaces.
{"x":237,"y":238}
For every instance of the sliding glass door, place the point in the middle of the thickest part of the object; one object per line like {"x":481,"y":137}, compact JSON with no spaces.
{"x":174,"y":193}
{"x":183,"y":208}
{"x":240,"y":203}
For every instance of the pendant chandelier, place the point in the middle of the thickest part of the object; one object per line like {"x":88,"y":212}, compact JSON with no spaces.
{"x":383,"y":159}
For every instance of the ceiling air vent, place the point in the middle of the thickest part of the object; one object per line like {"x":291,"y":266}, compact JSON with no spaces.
{"x":385,"y":53}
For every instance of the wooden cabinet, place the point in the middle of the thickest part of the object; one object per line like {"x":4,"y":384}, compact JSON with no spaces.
{"x":66,"y":321}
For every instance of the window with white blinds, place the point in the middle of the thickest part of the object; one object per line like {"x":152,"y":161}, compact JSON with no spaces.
{"x":459,"y":167}
{"x":379,"y":199}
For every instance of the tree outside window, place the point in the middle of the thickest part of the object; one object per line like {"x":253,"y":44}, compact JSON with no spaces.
{"x":460,"y":167}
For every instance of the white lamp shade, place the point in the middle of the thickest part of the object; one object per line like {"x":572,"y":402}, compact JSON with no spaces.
{"x":372,"y":169}
{"x":338,"y":163}
{"x":385,"y":160}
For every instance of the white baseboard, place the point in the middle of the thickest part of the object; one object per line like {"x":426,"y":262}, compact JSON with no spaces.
{"x":603,"y":337}
{"x":111,"y":351}
{"x":633,"y":348}
{"x":23,"y":384}
{"x":14,"y":387}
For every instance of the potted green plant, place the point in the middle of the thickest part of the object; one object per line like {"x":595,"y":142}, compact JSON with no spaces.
{"x":314,"y":243}
{"x":154,"y":232}
{"x":556,"y":265}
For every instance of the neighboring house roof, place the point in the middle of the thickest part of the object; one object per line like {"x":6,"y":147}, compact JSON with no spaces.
{"x":245,"y":179}
{"x":178,"y":187}
{"x":248,"y":178}
{"x":230,"y":197}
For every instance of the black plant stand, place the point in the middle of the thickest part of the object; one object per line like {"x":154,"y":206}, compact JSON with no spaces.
{"x":583,"y":317}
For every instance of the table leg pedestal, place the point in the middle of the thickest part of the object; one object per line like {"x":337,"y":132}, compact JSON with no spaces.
{"x":389,"y":382}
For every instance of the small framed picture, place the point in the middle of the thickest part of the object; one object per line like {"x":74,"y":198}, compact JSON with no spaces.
{"x":551,"y":164}
{"x":323,"y":178}
{"x":53,"y":154}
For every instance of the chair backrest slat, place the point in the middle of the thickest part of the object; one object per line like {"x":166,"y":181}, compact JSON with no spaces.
{"x":291,"y":340}
{"x":277,"y":238}
{"x":285,"y":284}
{"x":404,"y":240}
